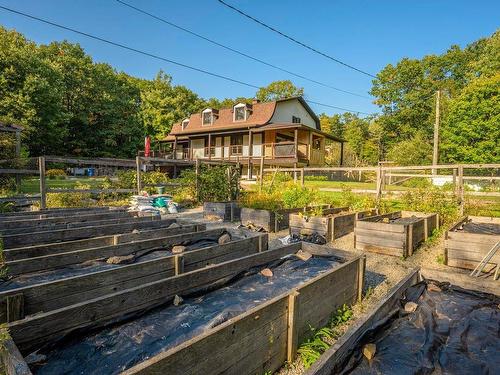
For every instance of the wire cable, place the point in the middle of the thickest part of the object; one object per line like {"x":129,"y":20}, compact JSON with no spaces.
{"x":148,"y":54}
{"x":237,"y":51}
{"x":295,"y":40}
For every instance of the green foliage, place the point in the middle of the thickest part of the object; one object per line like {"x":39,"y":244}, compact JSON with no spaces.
{"x":311,"y":350}
{"x":128,"y":180}
{"x":6,"y":207}
{"x":262,"y":200}
{"x":215,"y":183}
{"x":414,"y":151}
{"x":69,"y":200}
{"x":278,"y":90}
{"x":3,"y":268}
{"x":355,"y":202}
{"x":471,"y":130}
{"x":295,"y":196}
{"x":417,"y":182}
{"x":432,"y":200}
{"x":52,"y":174}
{"x":315,"y":178}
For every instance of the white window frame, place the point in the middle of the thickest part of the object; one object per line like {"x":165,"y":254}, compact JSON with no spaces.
{"x":185,"y":123}
{"x":208,"y":110}
{"x":240,"y":105}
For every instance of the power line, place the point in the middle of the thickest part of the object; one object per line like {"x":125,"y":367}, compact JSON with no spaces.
{"x":237,"y":51}
{"x":335,"y":107}
{"x":132,"y":49}
{"x":295,"y":40}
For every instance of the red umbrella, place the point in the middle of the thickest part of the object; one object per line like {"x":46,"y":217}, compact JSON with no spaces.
{"x":147,"y":146}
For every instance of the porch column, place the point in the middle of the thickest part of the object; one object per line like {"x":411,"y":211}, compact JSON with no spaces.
{"x":341,"y":154}
{"x":175,"y":148}
{"x":209,"y":146}
{"x":250,"y":153}
{"x":190,"y":153}
{"x":18,"y":155}
{"x":296,"y":142}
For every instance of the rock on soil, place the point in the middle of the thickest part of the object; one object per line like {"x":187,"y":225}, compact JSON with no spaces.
{"x":410,"y":307}
{"x":120,"y":259}
{"x":177,"y":300}
{"x":266,"y":272}
{"x":225,"y":238}
{"x":303,"y":255}
{"x":177,"y":249}
{"x":369,"y":351}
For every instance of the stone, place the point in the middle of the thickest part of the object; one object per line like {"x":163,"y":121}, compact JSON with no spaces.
{"x":410,"y":307}
{"x":177,"y":300}
{"x":303,"y":255}
{"x":120,"y":259}
{"x":177,"y":249}
{"x":385,"y":220}
{"x":135,"y":231}
{"x":174,"y":225}
{"x":225,"y":238}
{"x":266,"y":272}
{"x":433,"y":288}
{"x":369,"y":351}
{"x":35,"y":358}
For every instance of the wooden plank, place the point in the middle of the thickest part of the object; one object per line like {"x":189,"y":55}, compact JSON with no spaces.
{"x":398,"y":252}
{"x":380,"y":241}
{"x":334,"y":357}
{"x":260,"y":331}
{"x":292,"y":328}
{"x":63,"y":292}
{"x":56,"y":212}
{"x":36,"y":330}
{"x":385,"y":227}
{"x":12,"y":360}
{"x":20,"y":240}
{"x":28,"y":265}
{"x":476,"y":238}
{"x":62,"y":247}
{"x":472,"y":247}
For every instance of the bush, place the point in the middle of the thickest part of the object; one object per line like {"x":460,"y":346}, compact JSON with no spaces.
{"x":214,"y":183}
{"x":53,"y":174}
{"x":296,"y":196}
{"x":417,"y":182}
{"x":316,"y":178}
{"x":262,"y":200}
{"x":70,"y":199}
{"x":277,"y":178}
{"x":432,"y":200}
{"x":128,"y":180}
{"x":356,"y":202}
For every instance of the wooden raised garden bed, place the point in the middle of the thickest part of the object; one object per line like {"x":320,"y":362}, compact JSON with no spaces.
{"x":469,"y":240}
{"x":332,"y":224}
{"x":271,"y":221}
{"x":335,"y":359}
{"x":23,"y":301}
{"x":259,"y":340}
{"x":397,"y":233}
{"x":225,"y":211}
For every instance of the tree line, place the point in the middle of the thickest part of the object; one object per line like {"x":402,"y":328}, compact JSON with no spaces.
{"x":72,"y":105}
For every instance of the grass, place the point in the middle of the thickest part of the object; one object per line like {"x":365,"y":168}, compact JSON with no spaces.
{"x":351,"y":185}
{"x":32,"y":185}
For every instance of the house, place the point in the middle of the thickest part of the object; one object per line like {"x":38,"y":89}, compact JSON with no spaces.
{"x":285,"y":132}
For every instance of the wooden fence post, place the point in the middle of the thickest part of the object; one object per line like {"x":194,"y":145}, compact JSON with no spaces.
{"x":138,"y":174}
{"x":43,"y":188}
{"x":293,"y":332}
{"x":261,"y":176}
{"x":197,"y":173}
{"x":302,"y":176}
{"x":379,"y":184}
{"x":461,"y":188}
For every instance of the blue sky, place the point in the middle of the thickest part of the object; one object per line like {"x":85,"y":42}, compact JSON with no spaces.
{"x":366,"y":34}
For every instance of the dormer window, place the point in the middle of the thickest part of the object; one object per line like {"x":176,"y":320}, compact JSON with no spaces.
{"x":185,"y":123}
{"x":295,"y":120}
{"x":241,"y":112}
{"x":208,"y":116}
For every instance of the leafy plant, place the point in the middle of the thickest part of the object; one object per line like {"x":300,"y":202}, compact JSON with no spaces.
{"x":312,"y":349}
{"x":70,"y":199}
{"x":53,"y":174}
{"x":295,"y":196}
{"x":432,"y":200}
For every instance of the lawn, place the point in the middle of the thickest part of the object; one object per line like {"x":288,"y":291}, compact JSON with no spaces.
{"x":32,"y":185}
{"x":351,"y":185}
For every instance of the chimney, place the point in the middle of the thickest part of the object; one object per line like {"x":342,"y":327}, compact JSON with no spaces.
{"x":255,"y":101}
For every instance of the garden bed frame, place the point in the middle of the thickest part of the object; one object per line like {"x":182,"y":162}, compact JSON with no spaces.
{"x":225,"y":211}
{"x":53,"y":212}
{"x":92,"y":230}
{"x":47,"y":296}
{"x":374,"y":235}
{"x":269,"y":333}
{"x":332,"y":224}
{"x":272,"y":221}
{"x":332,"y":360}
{"x":466,"y":249}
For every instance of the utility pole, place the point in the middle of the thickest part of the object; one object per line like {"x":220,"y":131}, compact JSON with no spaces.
{"x":435,"y":153}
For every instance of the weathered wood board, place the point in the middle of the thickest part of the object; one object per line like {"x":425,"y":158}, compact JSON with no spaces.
{"x":63,"y":247}
{"x":47,"y":296}
{"x":379,"y":235}
{"x":52,"y":212}
{"x":333,"y":224}
{"x":22,"y":240}
{"x":466,"y":249}
{"x":225,"y":211}
{"x":271,"y":221}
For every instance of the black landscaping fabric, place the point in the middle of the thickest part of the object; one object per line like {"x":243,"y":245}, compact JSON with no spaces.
{"x":453,"y":331}
{"x":121,"y":346}
{"x":34,"y":278}
{"x":483,"y":228}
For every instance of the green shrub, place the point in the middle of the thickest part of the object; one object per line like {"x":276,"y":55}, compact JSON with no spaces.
{"x":296,"y":196}
{"x":355,"y":202}
{"x":417,"y":182}
{"x":277,"y":178}
{"x":262,"y":200}
{"x":432,"y":200}
{"x":70,"y":199}
{"x":53,"y":174}
{"x":128,"y":180}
